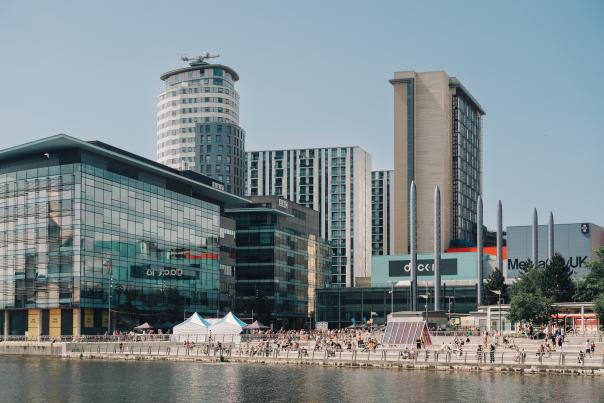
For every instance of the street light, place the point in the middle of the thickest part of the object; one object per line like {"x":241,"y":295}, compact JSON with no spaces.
{"x":498,"y":292}
{"x":450,"y":297}
{"x":391,"y":297}
{"x":400,"y":283}
{"x":426,"y":296}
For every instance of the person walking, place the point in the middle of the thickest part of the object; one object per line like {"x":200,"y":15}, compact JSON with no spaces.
{"x":593,"y":347}
{"x":492,"y":353}
{"x":588,"y":348}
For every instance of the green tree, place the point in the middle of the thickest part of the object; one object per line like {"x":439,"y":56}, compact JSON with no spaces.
{"x":528,"y":302}
{"x":529,"y":265}
{"x":532,"y":308}
{"x":532,"y":281}
{"x":599,"y":307}
{"x":592,"y":285}
{"x":495,"y":282}
{"x":558,"y":281}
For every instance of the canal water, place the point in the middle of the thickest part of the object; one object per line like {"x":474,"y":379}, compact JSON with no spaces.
{"x":33,"y":379}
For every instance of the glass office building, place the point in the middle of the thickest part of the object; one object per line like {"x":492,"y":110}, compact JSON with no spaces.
{"x":342,"y":307}
{"x":334,"y":181}
{"x":382,"y":208}
{"x":86,"y":227}
{"x":281,"y":260}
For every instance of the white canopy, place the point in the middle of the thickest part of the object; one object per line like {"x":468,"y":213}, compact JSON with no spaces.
{"x":194,"y":325}
{"x":229,"y":325}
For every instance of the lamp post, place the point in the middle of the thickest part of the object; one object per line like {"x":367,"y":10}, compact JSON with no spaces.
{"x":450,"y":297}
{"x":498,"y":292}
{"x":426,"y":296}
{"x":391,"y":297}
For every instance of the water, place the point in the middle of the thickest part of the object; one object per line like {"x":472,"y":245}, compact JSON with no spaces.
{"x":34,"y":379}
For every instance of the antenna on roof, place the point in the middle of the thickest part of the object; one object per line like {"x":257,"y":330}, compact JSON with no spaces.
{"x":197,"y":60}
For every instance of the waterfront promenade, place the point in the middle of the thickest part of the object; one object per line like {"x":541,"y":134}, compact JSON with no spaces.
{"x":524,"y":357}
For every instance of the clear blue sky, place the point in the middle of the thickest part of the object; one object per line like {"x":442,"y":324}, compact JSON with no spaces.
{"x":316,"y":74}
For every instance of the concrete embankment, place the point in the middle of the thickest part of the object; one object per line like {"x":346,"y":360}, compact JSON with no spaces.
{"x":164,"y":351}
{"x":410,"y":365}
{"x":33,"y":348}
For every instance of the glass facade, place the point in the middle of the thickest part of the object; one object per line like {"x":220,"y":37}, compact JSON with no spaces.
{"x":78,"y":230}
{"x":382,"y":189}
{"x":333,"y":181}
{"x":281,"y":260}
{"x":467,"y":169}
{"x":220,"y":152}
{"x":342,"y":307}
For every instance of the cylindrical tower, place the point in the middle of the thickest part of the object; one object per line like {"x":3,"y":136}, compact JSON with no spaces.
{"x":198,"y":122}
{"x":413,"y":232}
{"x":437,"y":240}
{"x":500,"y":237}
{"x":535,"y":239}
{"x":479,"y":245}
{"x":550,"y":238}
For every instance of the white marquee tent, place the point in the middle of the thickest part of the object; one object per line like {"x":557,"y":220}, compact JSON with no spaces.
{"x":229,"y":325}
{"x":198,"y":328}
{"x":195,"y":325}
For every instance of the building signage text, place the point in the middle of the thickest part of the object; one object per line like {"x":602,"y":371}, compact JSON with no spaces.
{"x":425,"y":267}
{"x":146,"y":271}
{"x":576,"y":262}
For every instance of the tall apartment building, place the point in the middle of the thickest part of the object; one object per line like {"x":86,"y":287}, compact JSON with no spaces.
{"x":382,"y":230}
{"x":334,"y":181}
{"x":437,"y":141}
{"x":198,"y":122}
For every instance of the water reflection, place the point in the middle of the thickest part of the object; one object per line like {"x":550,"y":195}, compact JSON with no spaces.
{"x":53,"y":380}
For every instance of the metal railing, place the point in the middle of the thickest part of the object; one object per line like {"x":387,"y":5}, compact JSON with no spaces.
{"x":221,"y":351}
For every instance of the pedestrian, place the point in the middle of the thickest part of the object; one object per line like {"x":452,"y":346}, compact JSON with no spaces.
{"x":492,"y":353}
{"x":593,"y":347}
{"x":588,"y":348}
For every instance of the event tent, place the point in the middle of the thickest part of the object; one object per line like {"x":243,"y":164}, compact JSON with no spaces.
{"x":195,"y":325}
{"x":144,"y":326}
{"x":229,"y":325}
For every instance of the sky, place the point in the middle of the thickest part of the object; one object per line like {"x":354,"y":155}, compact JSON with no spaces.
{"x":315,"y":73}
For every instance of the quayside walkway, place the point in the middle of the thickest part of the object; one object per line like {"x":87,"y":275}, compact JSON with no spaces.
{"x":519,"y":355}
{"x":505,"y":360}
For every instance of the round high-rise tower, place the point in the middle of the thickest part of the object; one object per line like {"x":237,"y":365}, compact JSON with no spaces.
{"x":198,"y":122}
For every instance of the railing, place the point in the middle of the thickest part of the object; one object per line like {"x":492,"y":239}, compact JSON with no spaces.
{"x":220,"y":351}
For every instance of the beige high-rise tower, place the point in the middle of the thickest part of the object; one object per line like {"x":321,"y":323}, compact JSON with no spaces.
{"x":437,"y":141}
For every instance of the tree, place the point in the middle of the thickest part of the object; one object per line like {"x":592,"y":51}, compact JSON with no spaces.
{"x":592,"y":284}
{"x":599,"y":307}
{"x":558,"y":281}
{"x":532,"y":308}
{"x":529,"y":265}
{"x":495,"y":282}
{"x":531,"y":281}
{"x":528,"y":302}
